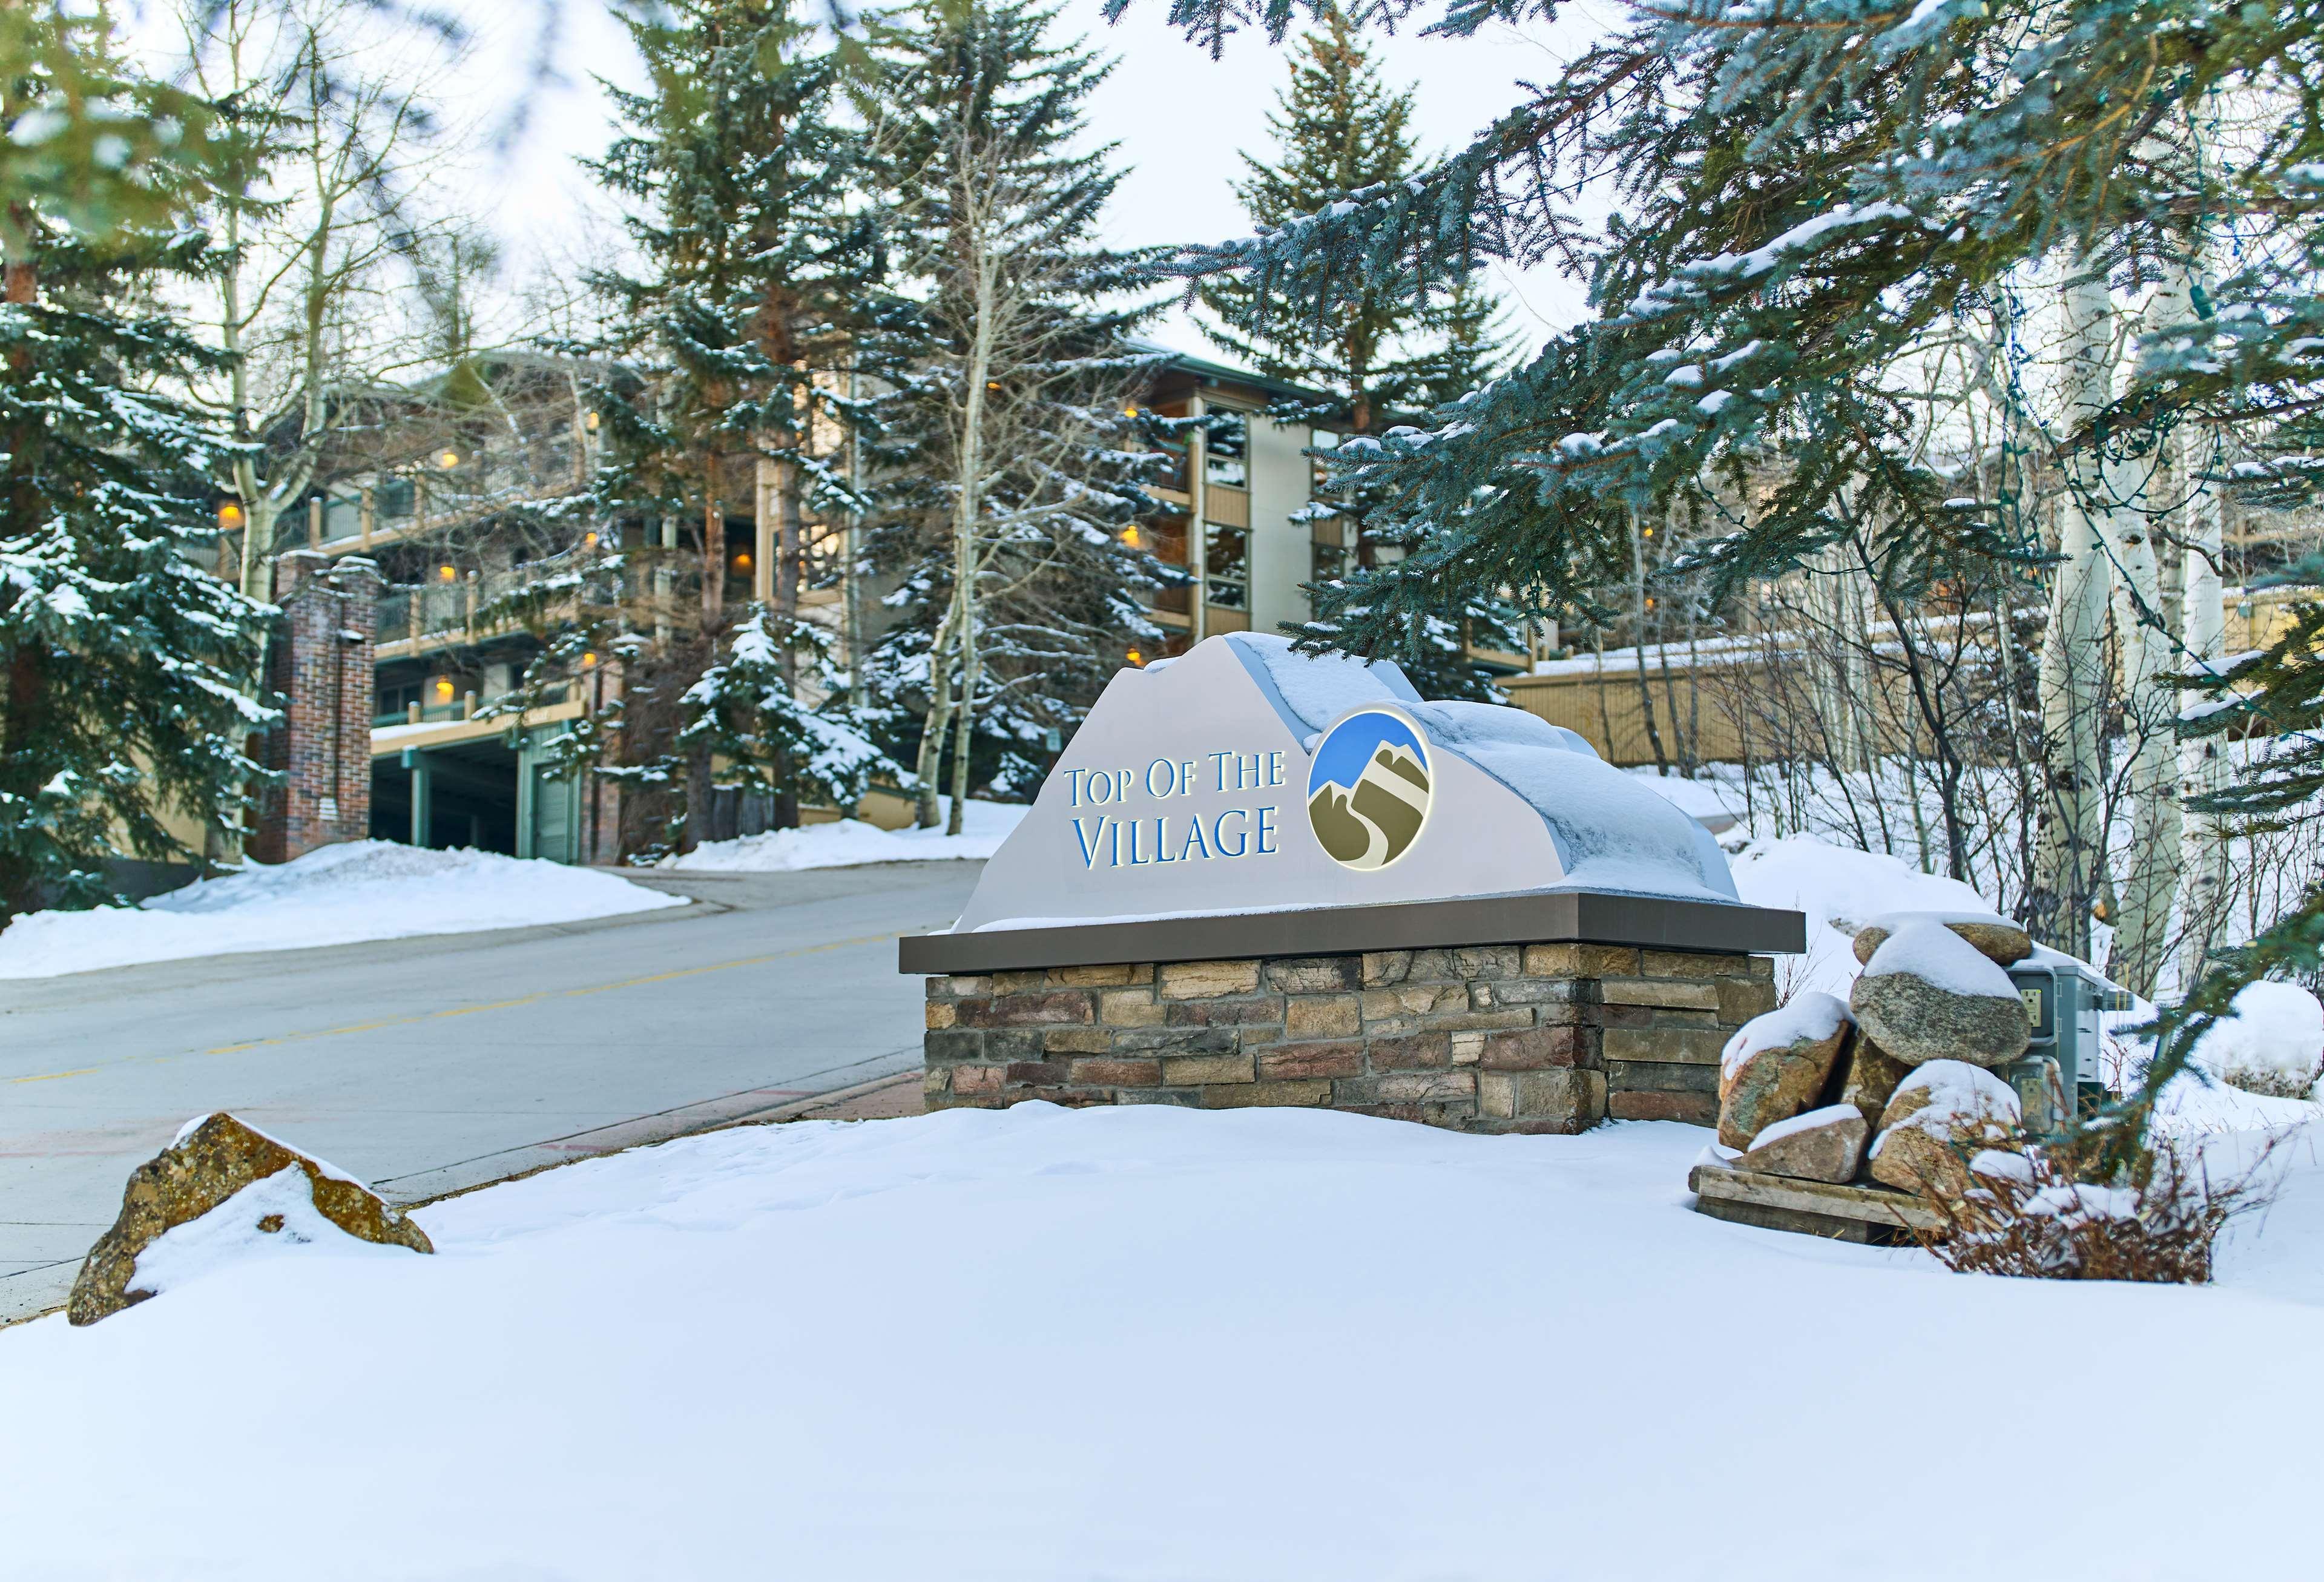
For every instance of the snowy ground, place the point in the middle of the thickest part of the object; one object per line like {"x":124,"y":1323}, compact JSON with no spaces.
{"x":338,"y":895}
{"x":851,"y":842}
{"x":1148,"y":1343}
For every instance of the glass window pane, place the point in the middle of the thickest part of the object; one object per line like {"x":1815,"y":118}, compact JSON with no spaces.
{"x":1226,"y":450}
{"x":1227,"y":554}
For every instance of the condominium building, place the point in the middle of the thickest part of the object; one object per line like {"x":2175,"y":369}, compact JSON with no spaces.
{"x":409,"y":569}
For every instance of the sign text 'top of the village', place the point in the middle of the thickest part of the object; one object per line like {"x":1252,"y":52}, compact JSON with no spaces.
{"x":1245,"y":777}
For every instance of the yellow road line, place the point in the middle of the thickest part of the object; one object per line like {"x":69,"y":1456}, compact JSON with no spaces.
{"x":627,"y":983}
{"x":522,"y":1000}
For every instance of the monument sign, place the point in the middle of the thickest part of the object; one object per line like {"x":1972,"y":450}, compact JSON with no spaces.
{"x":1348,"y":865}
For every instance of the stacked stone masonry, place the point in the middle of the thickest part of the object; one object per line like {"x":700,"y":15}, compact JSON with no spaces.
{"x":1489,"y":1038}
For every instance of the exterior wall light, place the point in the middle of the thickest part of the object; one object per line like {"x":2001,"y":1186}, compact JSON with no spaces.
{"x":447,"y":458}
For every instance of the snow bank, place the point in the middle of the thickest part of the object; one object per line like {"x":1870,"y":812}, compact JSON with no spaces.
{"x":338,"y":895}
{"x":1841,"y":889}
{"x":2275,"y":1037}
{"x":851,"y":843}
{"x":1139,"y":1344}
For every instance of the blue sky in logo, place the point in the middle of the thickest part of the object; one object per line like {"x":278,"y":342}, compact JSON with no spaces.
{"x":1342,"y":756}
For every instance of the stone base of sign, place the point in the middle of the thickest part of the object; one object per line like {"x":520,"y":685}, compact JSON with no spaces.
{"x":1481,"y":1038}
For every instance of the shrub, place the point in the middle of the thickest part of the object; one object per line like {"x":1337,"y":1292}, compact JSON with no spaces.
{"x":2031,"y":1215}
{"x":2273,"y":1081}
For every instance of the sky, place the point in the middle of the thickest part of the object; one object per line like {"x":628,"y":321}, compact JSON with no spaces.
{"x":1177,"y":118}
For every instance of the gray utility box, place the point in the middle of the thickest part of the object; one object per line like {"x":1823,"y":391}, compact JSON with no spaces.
{"x":2062,"y":1002}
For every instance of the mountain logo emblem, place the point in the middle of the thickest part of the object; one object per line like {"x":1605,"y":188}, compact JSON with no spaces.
{"x":1368,"y":789}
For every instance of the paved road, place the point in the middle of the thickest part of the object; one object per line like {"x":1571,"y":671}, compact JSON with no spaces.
{"x":428,"y":1065}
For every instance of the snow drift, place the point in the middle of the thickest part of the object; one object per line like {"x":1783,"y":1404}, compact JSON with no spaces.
{"x":1267,"y":1345}
{"x":336,"y":896}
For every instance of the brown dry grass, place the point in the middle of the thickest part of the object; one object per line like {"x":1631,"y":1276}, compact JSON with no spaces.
{"x":2033,"y":1215}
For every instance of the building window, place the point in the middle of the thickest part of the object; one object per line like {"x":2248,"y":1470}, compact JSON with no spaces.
{"x":1226,"y":567}
{"x":1174,"y":475}
{"x":396,"y":699}
{"x":1226,"y":451}
{"x":1319,"y":466}
{"x":394,"y":498}
{"x":1328,"y":548}
{"x":1166,"y":539}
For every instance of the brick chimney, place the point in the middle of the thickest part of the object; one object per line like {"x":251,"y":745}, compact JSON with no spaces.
{"x":320,"y":663}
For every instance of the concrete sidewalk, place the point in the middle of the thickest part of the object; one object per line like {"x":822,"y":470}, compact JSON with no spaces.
{"x":888,"y":1099}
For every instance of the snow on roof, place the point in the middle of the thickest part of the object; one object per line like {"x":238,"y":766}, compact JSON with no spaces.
{"x":1611,"y":833}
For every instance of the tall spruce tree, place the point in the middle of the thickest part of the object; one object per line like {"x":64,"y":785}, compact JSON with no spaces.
{"x":1012,"y":457}
{"x":739,"y":321}
{"x":1380,"y":347}
{"x":1807,"y":198}
{"x":122,"y":663}
{"x":1339,"y":128}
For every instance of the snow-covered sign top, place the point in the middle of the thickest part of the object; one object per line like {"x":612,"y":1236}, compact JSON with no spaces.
{"x":1245,"y":777}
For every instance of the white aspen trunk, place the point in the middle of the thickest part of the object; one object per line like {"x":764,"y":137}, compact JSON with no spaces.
{"x":2203,"y":762}
{"x":1844,"y":685}
{"x":763,"y":510}
{"x":933,"y":724}
{"x":984,"y":266}
{"x":2070,"y":856}
{"x":2160,"y":841}
{"x":2150,"y":707}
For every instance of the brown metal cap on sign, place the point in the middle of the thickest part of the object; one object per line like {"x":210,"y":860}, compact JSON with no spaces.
{"x":1532,"y":917}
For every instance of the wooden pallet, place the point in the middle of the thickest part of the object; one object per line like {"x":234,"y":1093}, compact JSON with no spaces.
{"x":1878,"y":1216}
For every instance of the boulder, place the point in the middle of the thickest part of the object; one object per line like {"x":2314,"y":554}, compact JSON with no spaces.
{"x":1943,"y":1115}
{"x":1821,"y":1146}
{"x":1776,"y":1066}
{"x":222,"y":1173}
{"x":1927,"y":994}
{"x":1870,"y":1079}
{"x":1996,"y":939}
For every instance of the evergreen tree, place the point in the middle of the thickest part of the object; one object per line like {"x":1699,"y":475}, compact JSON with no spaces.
{"x":1339,"y":129}
{"x":1375,"y":345}
{"x":121,"y":664}
{"x":1474,"y":347}
{"x":1012,"y":463}
{"x":742,"y":179}
{"x":745,"y":711}
{"x":1808,"y":199}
